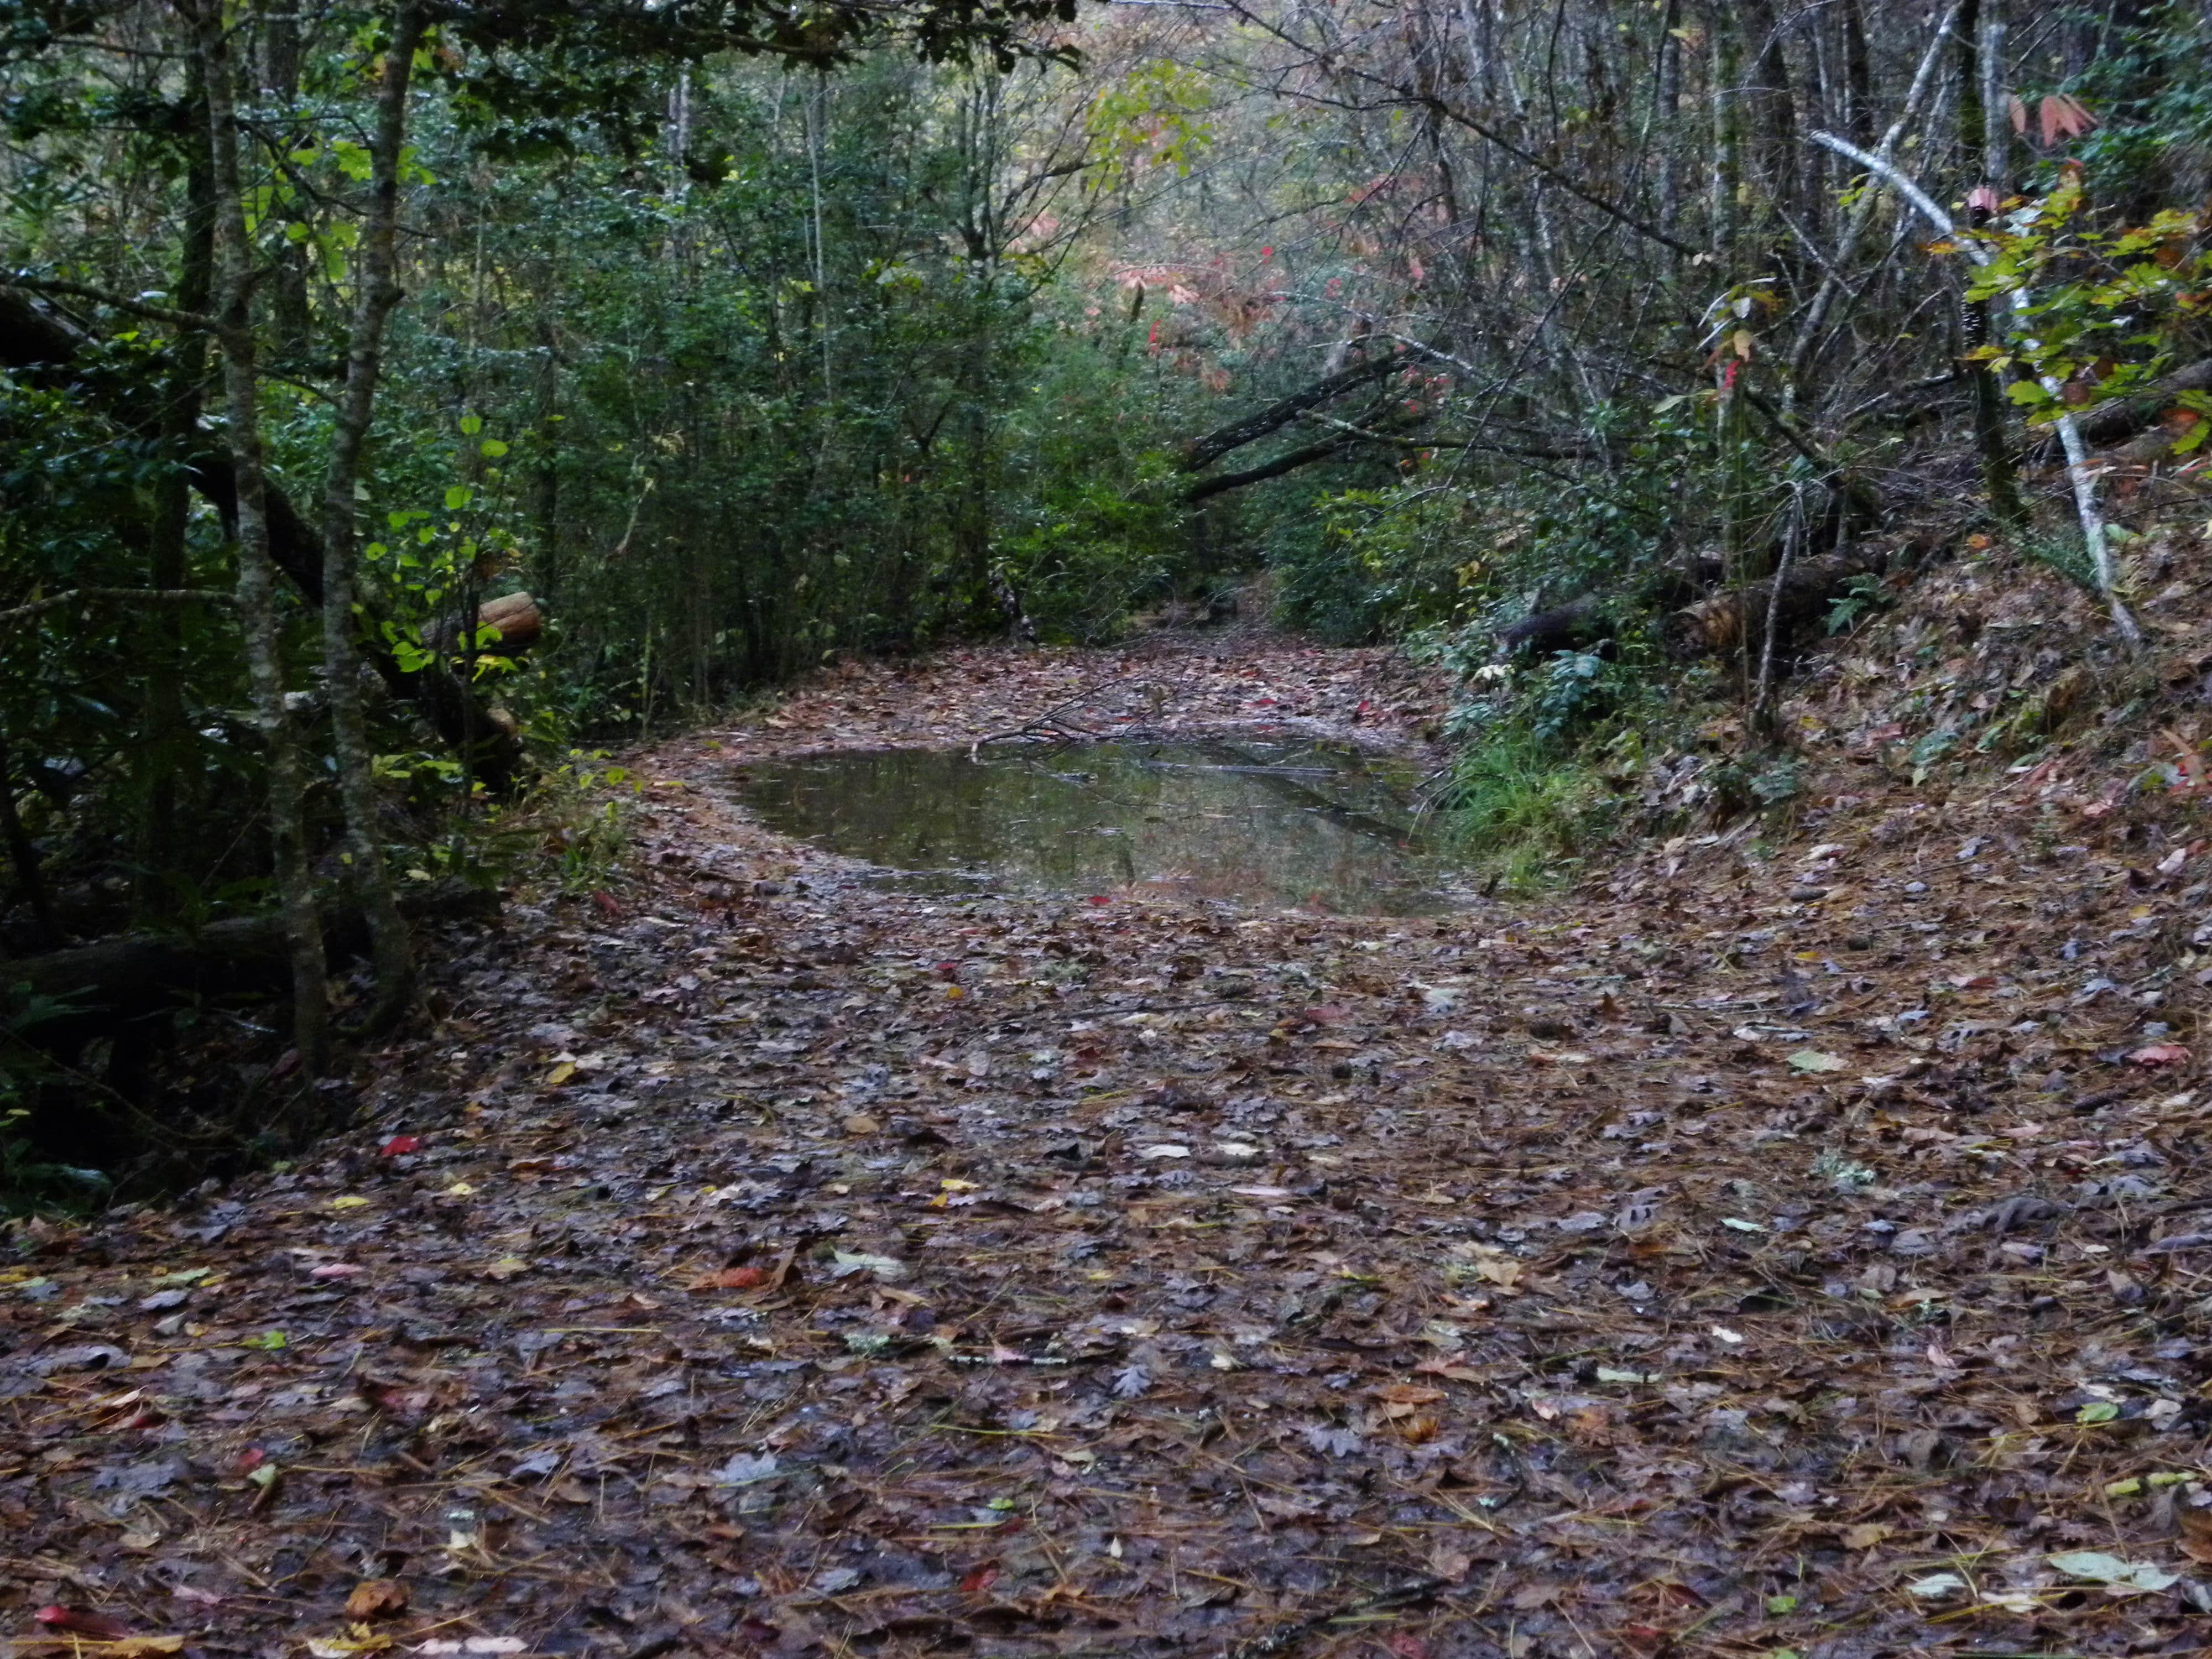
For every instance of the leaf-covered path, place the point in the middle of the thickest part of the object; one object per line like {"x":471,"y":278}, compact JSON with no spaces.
{"x":1755,"y":1252}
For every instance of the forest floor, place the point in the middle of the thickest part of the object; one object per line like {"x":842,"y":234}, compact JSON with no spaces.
{"x":1764,"y":1246}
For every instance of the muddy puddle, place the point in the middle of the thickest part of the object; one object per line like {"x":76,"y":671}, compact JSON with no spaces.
{"x":1276,"y":825}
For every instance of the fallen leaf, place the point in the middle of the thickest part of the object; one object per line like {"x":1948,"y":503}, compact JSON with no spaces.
{"x":734,"y":1278}
{"x":980,"y":1578}
{"x":2160,"y":1053}
{"x":2102,"y":1569}
{"x":1937,"y":1585}
{"x":1811,"y":1059}
{"x":82,"y":1621}
{"x":376,"y":1598}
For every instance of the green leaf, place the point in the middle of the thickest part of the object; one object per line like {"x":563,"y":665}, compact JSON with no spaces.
{"x":2097,"y":1411}
{"x":268,"y":1341}
{"x":493,"y":447}
{"x":470,"y":425}
{"x":1811,"y":1059}
{"x":458,"y":497}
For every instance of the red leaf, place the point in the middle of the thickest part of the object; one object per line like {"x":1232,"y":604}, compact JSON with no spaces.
{"x":734,"y":1279}
{"x":606,"y":904}
{"x":97,"y":1626}
{"x":981,"y":1578}
{"x":2161,"y":1054}
{"x":1098,"y":898}
{"x":1406,"y":1646}
{"x":400,"y":1146}
{"x":1982,"y":199}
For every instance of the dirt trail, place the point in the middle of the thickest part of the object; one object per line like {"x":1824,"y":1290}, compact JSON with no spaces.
{"x":1791,"y":1253}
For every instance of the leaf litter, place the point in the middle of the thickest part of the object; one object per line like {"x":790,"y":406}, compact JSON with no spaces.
{"x":1711,"y":1261}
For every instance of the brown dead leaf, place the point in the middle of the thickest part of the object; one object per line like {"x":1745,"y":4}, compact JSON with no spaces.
{"x":2196,"y":1534}
{"x":734,"y":1278}
{"x":376,"y":1598}
{"x":1407,"y":1394}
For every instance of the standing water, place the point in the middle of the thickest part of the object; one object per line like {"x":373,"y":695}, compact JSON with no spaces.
{"x":1280,"y":825}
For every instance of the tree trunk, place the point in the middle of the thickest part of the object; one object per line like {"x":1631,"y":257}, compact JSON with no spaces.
{"x":34,"y":339}
{"x":23,"y":855}
{"x":290,"y":318}
{"x":168,"y":746}
{"x":376,"y":291}
{"x":257,"y":570}
{"x":1994,"y":443}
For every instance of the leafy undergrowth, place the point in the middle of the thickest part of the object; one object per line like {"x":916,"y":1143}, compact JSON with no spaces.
{"x":1761,"y":1250}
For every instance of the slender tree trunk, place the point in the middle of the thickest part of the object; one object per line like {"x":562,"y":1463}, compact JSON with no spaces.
{"x":1727,"y":98}
{"x":545,"y":468}
{"x":1774,"y":106}
{"x":29,"y":879}
{"x":166,"y":747}
{"x":288,"y":316}
{"x":1991,"y":440}
{"x":1668,"y":96}
{"x":1997,"y":115}
{"x":257,"y":570}
{"x":376,"y":291}
{"x":1859,"y":75}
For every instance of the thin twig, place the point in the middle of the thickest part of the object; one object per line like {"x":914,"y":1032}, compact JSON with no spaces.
{"x":1762,"y":713}
{"x":169,"y":314}
{"x":136,"y":595}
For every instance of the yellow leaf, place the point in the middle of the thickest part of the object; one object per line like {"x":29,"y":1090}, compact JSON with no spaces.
{"x":506,"y":1268}
{"x":350,"y":1201}
{"x":458,"y":1189}
{"x":560,"y":1074}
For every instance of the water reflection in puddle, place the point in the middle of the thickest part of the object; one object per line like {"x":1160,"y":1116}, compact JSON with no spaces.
{"x":1274,"y":824}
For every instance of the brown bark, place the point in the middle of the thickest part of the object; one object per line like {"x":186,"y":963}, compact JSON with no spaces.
{"x":257,"y":574}
{"x":1202,"y":452}
{"x":376,"y":292}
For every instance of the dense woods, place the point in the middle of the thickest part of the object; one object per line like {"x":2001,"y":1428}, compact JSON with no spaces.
{"x":403,"y":402}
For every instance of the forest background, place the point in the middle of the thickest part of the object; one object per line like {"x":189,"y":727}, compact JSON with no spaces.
{"x":1601,"y":349}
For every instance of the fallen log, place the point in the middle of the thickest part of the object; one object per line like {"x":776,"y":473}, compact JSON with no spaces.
{"x":516,"y":615}
{"x":112,"y":981}
{"x":1735,"y":619}
{"x":2123,"y":418}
